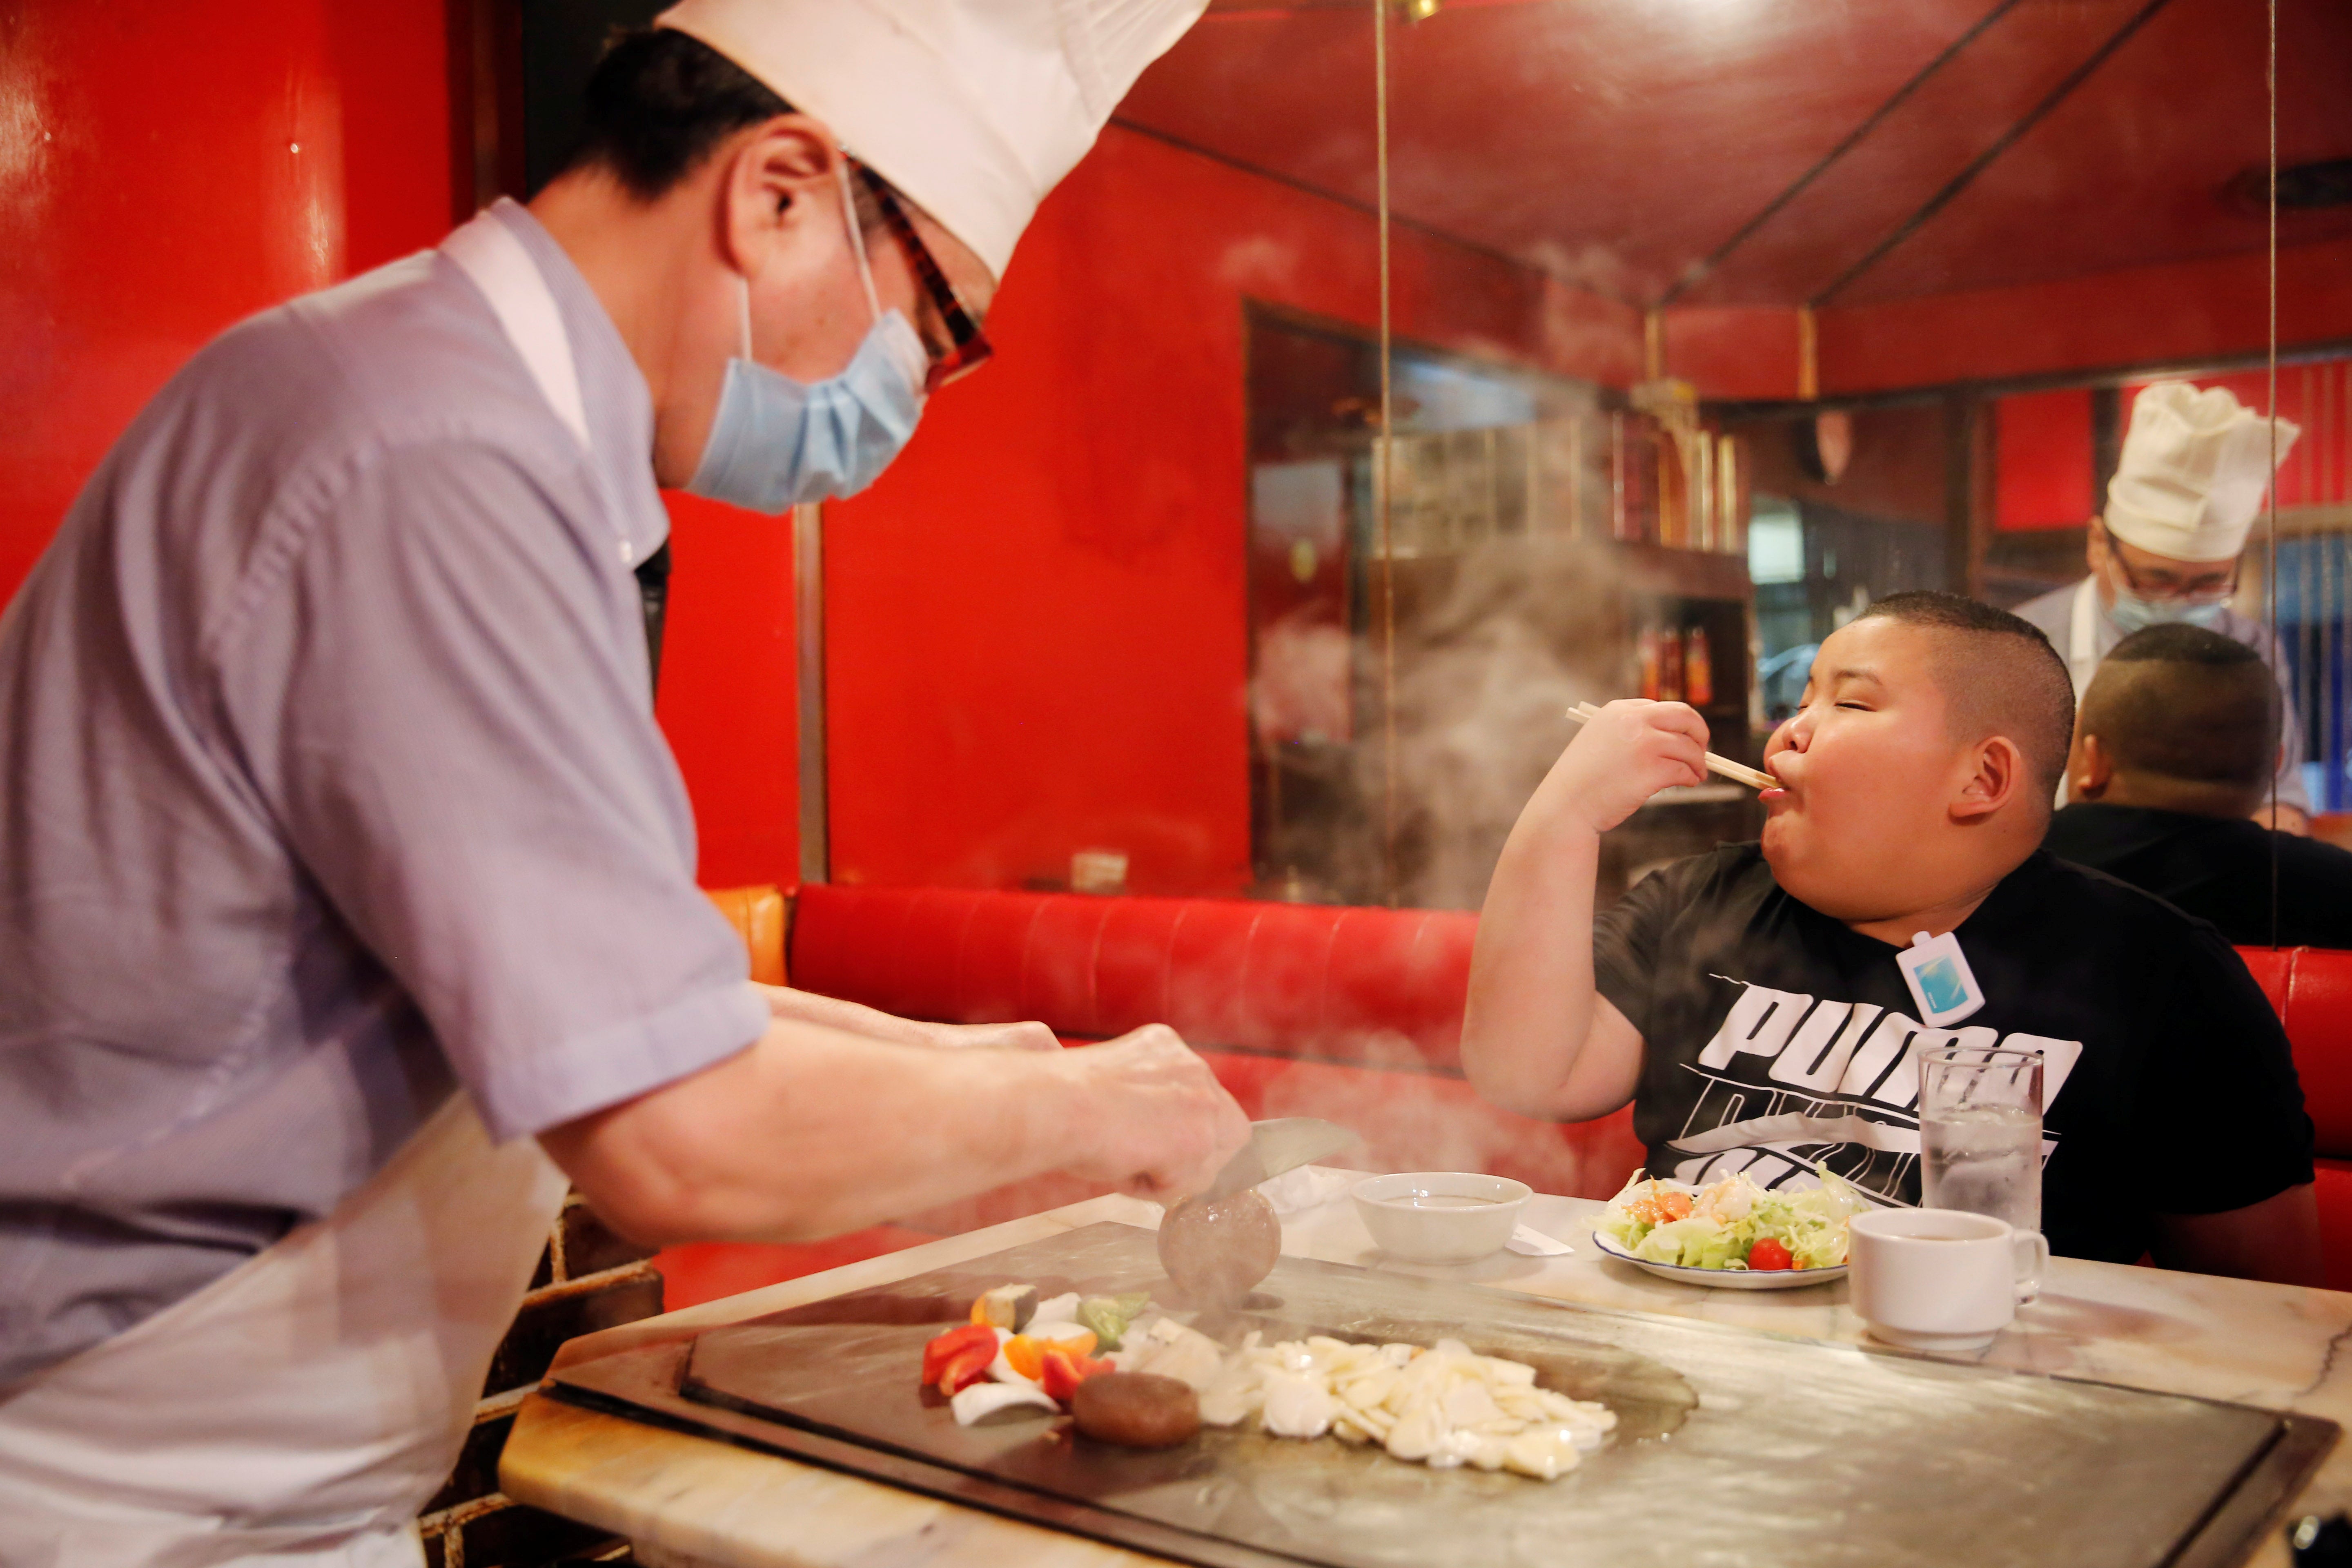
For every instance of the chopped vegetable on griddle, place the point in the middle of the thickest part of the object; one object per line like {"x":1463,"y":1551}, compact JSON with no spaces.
{"x":1006,"y":1307}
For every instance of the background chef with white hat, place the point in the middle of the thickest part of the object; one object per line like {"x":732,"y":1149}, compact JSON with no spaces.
{"x":350,"y":906}
{"x":2188,"y":484}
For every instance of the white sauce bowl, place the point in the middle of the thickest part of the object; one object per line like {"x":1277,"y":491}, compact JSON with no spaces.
{"x":1441,"y":1216}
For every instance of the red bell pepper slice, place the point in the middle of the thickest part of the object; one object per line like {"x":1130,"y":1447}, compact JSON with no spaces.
{"x":955,"y":1343}
{"x":966,"y":1367}
{"x":1059,"y":1372}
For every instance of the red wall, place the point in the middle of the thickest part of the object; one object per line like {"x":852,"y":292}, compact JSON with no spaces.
{"x":151,"y":193}
{"x":1735,"y":352}
{"x":2043,"y":446}
{"x":166,"y":169}
{"x":727,"y":697}
{"x":1038,"y":634}
{"x":1038,"y":631}
{"x":2180,"y":313}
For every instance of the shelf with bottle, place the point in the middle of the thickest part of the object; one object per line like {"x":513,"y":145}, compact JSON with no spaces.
{"x":1677,"y":664}
{"x":1696,"y":650}
{"x":1673,"y":482}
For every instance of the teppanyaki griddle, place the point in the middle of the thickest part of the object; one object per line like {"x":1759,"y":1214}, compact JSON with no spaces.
{"x":1733,"y":1447}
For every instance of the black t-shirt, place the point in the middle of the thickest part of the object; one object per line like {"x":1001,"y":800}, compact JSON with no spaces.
{"x":2166,"y":1083}
{"x":2217,"y":869}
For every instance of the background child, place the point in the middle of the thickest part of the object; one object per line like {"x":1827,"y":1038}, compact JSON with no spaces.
{"x":2173,"y":757}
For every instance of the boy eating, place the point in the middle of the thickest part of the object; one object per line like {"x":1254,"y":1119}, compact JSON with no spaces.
{"x":1750,"y":1003}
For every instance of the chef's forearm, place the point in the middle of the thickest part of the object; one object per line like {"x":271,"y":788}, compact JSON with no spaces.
{"x":851,"y":1017}
{"x":812,"y":1131}
{"x":1532,"y":1001}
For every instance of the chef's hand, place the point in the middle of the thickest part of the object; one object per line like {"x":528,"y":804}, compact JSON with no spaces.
{"x":1619,"y":759}
{"x":1153,"y":1119}
{"x":993,"y":1037}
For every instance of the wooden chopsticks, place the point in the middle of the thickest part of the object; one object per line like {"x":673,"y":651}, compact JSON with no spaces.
{"x":1737,"y":772}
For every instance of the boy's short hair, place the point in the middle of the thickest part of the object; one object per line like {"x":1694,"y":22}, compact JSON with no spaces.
{"x":2000,"y":675}
{"x":2186,"y":703}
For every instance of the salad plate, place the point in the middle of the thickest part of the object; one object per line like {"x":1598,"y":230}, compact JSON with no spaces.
{"x":1722,"y":1278}
{"x":1731,"y":1235}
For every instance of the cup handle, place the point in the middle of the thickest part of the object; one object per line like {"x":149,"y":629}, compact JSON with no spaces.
{"x":2029,"y":1275}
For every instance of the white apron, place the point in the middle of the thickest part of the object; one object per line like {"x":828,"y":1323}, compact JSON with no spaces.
{"x":2083,"y":637}
{"x":297,"y":1411}
{"x":2082,"y":649}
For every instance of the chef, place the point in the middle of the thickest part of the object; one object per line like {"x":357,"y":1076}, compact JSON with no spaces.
{"x":346,"y":901}
{"x":2188,"y":487}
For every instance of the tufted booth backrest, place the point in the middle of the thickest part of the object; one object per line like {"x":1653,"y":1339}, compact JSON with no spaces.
{"x":1301,"y":1008}
{"x":1375,"y":986}
{"x":2312,"y":989}
{"x":1333,"y":983}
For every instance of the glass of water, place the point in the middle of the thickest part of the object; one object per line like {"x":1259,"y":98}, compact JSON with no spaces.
{"x":1980,"y":1136}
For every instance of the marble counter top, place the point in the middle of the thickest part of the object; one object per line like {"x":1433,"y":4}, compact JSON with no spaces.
{"x":688,"y":1500}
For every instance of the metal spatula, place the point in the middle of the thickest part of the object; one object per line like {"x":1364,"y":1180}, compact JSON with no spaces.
{"x":1282,"y":1144}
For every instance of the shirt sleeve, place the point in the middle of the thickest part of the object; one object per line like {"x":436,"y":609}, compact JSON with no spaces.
{"x":442,"y":698}
{"x":2220,"y":1122}
{"x":1628,"y":935}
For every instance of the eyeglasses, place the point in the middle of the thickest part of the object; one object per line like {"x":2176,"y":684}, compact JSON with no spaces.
{"x":969,"y":346}
{"x":2204,"y":588}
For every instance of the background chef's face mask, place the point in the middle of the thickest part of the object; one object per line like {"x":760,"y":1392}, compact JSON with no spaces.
{"x":777,"y":441}
{"x":2132,"y":611}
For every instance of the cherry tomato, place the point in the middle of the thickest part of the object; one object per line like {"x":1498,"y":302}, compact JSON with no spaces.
{"x":1769,"y":1254}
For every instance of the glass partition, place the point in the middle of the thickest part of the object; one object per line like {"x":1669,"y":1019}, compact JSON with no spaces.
{"x":1848,"y":301}
{"x":2309,"y":561}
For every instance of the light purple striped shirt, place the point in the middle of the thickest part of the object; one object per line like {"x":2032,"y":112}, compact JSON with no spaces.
{"x":329,"y":776}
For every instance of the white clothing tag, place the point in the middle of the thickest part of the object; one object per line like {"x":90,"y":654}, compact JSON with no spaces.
{"x":1941,"y":982}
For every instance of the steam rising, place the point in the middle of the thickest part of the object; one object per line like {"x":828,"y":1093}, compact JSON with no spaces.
{"x":1516,"y":632}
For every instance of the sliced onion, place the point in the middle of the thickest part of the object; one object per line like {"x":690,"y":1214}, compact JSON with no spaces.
{"x":983,"y":1400}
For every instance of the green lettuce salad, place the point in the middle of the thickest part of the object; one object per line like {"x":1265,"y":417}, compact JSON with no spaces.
{"x":1733,"y":1224}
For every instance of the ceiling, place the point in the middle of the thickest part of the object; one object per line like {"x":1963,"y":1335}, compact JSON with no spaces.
{"x":1782,"y":152}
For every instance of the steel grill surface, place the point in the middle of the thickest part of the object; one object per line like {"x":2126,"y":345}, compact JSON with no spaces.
{"x":1733,"y":1447}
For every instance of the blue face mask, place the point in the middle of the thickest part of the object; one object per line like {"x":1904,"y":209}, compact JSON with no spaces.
{"x":777,"y":441}
{"x":2132,"y":613}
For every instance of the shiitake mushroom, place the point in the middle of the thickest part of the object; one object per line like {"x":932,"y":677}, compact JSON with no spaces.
{"x":1136,"y":1410}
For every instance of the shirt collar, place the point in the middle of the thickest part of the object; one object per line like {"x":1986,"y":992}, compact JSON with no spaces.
{"x":618,"y":403}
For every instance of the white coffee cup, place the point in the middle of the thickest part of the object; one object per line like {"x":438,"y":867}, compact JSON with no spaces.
{"x":1937,"y":1279}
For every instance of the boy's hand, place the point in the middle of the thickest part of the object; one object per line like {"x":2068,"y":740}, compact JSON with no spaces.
{"x":1629,"y":753}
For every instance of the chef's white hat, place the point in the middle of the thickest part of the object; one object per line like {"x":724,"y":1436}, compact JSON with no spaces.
{"x":973,"y":107}
{"x":2193,"y":470}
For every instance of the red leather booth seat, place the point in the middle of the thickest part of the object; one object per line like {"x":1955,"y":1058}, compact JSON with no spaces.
{"x":2312,"y":990}
{"x":1353,"y":1013}
{"x":1303,"y":1010}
